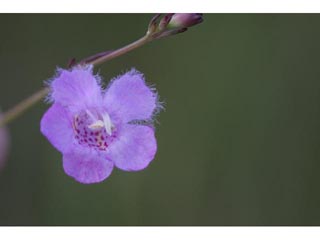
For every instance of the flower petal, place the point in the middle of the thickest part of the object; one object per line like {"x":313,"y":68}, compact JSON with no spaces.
{"x":134,"y":149}
{"x":56,"y":125}
{"x":86,"y":166}
{"x":77,"y":88}
{"x":130,"y":97}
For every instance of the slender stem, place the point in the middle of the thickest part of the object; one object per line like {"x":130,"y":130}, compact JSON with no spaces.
{"x":145,"y":39}
{"x":23,"y":106}
{"x":30,"y":101}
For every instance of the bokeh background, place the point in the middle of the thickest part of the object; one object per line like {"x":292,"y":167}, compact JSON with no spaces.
{"x":238,"y":142}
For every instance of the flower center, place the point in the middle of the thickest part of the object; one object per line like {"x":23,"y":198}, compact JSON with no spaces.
{"x":94,"y":129}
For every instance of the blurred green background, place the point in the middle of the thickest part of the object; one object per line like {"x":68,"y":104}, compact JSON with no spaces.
{"x":238,"y":142}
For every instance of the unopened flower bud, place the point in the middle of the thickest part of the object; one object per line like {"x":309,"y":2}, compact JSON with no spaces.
{"x":185,"y":20}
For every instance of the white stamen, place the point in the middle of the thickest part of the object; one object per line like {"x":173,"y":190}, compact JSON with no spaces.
{"x":93,"y":118}
{"x":107,"y":123}
{"x":96,"y":125}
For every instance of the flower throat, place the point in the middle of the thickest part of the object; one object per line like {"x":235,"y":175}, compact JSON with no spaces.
{"x":93,"y":130}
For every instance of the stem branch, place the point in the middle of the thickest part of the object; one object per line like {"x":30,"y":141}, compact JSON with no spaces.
{"x":140,"y":42}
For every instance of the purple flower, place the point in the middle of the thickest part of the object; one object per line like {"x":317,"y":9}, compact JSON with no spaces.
{"x":4,"y":145}
{"x":98,"y":129}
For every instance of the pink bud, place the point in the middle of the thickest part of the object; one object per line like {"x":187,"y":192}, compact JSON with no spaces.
{"x":184,"y":20}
